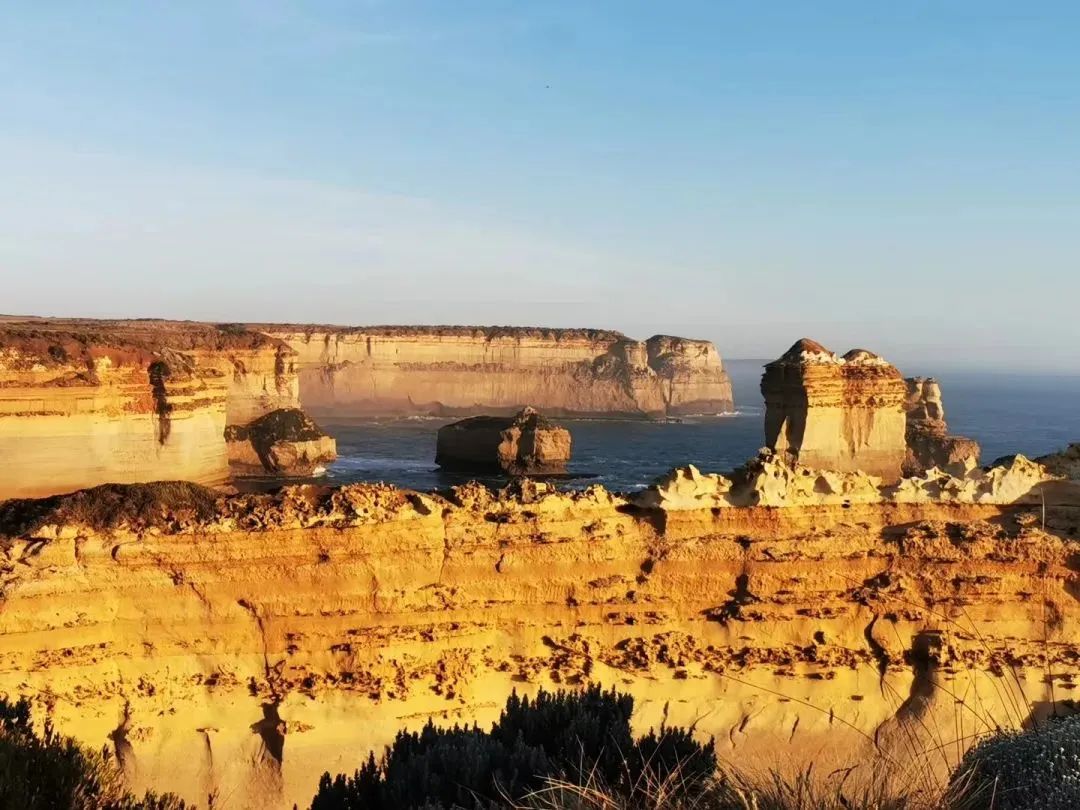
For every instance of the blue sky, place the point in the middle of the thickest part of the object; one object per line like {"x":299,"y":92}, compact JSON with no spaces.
{"x":900,"y":176}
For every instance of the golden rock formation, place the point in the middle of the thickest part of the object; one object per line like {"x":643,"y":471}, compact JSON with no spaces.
{"x":284,"y":441}
{"x":836,"y":413}
{"x":525,"y":444}
{"x":241,"y":645}
{"x":472,"y":370}
{"x":929,"y":443}
{"x":84,"y":403}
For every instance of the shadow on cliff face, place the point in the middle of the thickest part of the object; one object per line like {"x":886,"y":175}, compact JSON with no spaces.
{"x":266,"y":779}
{"x":159,"y":372}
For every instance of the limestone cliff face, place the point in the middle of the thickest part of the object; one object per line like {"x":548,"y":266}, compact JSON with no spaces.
{"x":466,"y":371}
{"x":831,"y":412}
{"x":239,"y":647}
{"x":929,"y":443}
{"x":82,"y":403}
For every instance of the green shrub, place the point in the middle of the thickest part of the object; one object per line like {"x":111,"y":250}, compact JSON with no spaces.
{"x":51,"y":772}
{"x":1019,"y":770}
{"x":566,"y":735}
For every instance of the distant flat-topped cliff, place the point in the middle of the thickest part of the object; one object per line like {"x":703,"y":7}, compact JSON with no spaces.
{"x":86,"y":402}
{"x":460,"y":370}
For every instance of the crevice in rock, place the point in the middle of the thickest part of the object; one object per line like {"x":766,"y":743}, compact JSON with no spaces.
{"x":269,"y":672}
{"x":881,"y":655}
{"x":124,"y":751}
{"x":159,"y":372}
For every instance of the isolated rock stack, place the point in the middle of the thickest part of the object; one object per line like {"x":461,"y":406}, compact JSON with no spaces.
{"x":525,"y":444}
{"x":285,"y":441}
{"x":840,"y":413}
{"x":928,"y":440}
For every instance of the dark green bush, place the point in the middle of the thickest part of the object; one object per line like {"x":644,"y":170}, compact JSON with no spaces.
{"x":1018,"y":770}
{"x":582,"y":736}
{"x":51,"y":772}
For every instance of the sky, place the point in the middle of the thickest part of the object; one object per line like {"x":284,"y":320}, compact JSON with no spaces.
{"x":903,"y":177}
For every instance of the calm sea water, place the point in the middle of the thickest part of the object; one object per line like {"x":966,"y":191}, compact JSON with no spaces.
{"x":1005,"y":413}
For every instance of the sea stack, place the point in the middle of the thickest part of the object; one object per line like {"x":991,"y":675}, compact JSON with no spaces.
{"x":525,"y":444}
{"x":284,"y":442}
{"x":928,"y":440}
{"x":839,"y":413}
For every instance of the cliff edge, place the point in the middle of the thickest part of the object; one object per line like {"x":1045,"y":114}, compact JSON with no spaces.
{"x":467,"y":371}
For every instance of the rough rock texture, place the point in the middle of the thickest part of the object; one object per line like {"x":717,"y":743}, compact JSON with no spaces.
{"x":84,"y":402}
{"x":928,"y":441}
{"x":772,"y":480}
{"x":284,"y":441}
{"x":1066,"y":463}
{"x":838,"y":413}
{"x":449,"y":371}
{"x":525,"y":444}
{"x":239,"y":646}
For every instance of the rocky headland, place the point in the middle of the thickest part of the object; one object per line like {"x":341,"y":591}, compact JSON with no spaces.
{"x":86,"y":402}
{"x":89,"y":402}
{"x":465,"y":371}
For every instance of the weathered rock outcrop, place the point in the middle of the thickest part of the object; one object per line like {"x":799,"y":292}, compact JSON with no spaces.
{"x":447,"y":371}
{"x":929,"y":443}
{"x":525,"y":444}
{"x":1065,"y":463}
{"x":245,"y":644}
{"x":285,"y":441}
{"x":773,"y":480}
{"x":83,"y":403}
{"x":838,"y":413}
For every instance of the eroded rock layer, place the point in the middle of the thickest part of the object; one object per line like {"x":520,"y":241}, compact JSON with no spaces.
{"x":82,"y":403}
{"x":929,"y":443}
{"x":240,"y":646}
{"x":473,"y":370}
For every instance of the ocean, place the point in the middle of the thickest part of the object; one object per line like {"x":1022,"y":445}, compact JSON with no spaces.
{"x":1014,"y":413}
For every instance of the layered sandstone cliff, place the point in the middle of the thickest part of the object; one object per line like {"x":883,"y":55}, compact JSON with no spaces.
{"x":929,"y":443}
{"x":472,"y":370}
{"x":83,"y":403}
{"x":831,"y":412}
{"x":236,"y":647}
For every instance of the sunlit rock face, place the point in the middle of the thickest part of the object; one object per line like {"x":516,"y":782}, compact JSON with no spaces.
{"x":89,"y":402}
{"x":525,"y":444}
{"x":239,"y":646}
{"x":928,"y":439}
{"x":838,"y":413}
{"x":286,"y":441}
{"x":490,"y":370}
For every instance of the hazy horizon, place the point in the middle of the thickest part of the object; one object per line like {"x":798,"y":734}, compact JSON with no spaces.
{"x":896,"y":178}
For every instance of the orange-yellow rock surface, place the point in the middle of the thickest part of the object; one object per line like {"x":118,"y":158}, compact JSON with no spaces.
{"x":200,"y":635}
{"x":524,"y":444}
{"x":82,"y":403}
{"x":499,"y":370}
{"x":836,"y":413}
{"x":929,"y":443}
{"x":85,"y":402}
